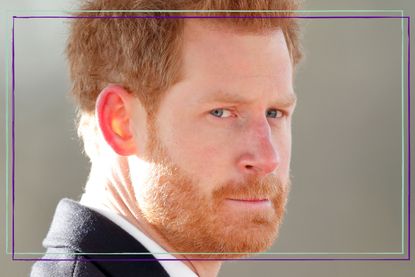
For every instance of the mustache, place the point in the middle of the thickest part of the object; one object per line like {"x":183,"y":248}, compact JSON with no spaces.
{"x":252,"y":187}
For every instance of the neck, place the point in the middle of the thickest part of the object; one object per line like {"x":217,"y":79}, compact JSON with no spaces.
{"x":115,"y":192}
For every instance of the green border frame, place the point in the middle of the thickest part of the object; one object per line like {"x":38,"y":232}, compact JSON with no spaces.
{"x":7,"y":63}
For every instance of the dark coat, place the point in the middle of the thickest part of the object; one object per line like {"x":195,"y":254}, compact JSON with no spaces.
{"x":77,"y":229}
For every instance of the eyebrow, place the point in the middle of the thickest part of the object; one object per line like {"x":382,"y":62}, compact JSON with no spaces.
{"x":283,"y":100}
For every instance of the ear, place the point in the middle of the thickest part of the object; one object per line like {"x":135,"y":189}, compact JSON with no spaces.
{"x":114,"y":116}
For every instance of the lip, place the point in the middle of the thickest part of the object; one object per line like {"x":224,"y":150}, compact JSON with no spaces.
{"x":250,"y":203}
{"x":249,"y":200}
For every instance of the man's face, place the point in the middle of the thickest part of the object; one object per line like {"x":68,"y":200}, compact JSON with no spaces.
{"x":220,"y":145}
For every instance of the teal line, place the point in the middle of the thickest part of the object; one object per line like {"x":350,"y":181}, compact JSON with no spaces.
{"x":207,"y":253}
{"x":205,"y":11}
{"x":185,"y":11}
{"x":7,"y":32}
{"x":403,"y":137}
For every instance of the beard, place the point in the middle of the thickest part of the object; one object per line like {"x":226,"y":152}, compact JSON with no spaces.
{"x":200,"y":224}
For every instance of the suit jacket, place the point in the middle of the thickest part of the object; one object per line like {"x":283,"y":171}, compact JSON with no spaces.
{"x":77,"y":229}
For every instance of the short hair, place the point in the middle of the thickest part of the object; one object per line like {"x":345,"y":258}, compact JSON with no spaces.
{"x":143,"y":54}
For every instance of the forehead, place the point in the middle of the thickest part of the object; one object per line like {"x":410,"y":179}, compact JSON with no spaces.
{"x":238,"y":53}
{"x":226,"y":59}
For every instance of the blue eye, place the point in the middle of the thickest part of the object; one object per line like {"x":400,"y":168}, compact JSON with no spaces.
{"x":221,"y":113}
{"x":273,"y":113}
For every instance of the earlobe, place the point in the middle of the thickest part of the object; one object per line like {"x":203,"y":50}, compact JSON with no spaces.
{"x":114,"y":117}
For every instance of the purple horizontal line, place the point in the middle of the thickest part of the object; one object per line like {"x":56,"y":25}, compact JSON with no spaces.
{"x":186,"y":16}
{"x":156,"y":260}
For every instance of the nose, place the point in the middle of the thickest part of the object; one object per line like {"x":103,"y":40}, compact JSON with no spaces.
{"x":260,"y":156}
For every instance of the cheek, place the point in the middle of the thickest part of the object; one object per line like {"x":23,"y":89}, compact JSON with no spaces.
{"x":207,"y":156}
{"x":200,"y":151}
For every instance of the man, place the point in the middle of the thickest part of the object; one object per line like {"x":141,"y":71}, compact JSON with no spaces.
{"x":187,"y":123}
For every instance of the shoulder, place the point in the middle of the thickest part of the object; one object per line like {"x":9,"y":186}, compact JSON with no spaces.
{"x":98,"y":242}
{"x":58,"y":264}
{"x":65,"y":265}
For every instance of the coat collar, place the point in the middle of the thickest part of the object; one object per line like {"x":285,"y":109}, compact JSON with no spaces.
{"x":82,"y":230}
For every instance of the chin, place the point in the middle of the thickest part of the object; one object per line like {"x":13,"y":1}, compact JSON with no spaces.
{"x":233,"y":241}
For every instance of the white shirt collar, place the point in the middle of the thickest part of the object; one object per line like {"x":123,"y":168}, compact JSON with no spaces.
{"x":173,"y":268}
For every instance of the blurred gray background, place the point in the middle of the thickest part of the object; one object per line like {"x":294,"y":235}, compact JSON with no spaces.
{"x":346,"y":197}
